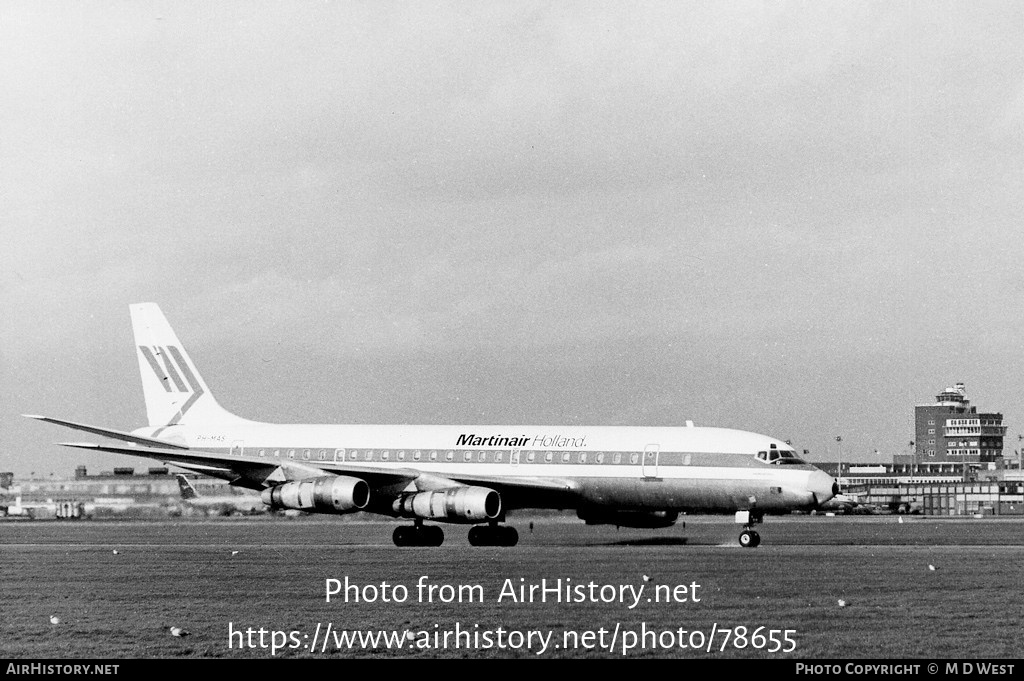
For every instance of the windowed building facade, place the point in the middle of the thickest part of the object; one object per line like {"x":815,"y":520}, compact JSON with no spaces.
{"x":951,"y":430}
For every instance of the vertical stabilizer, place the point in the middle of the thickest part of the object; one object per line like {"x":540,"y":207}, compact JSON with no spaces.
{"x":188,"y":492}
{"x":175,"y":392}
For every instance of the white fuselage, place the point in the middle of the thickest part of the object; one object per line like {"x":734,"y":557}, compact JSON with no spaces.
{"x":689,"y":468}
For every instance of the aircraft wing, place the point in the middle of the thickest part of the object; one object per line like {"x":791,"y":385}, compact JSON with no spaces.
{"x":515,"y":491}
{"x":526,"y":492}
{"x":230,"y":468}
{"x":209,"y":464}
{"x":518,"y":491}
{"x":536,"y":484}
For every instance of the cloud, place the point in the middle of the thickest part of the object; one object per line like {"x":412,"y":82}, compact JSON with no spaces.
{"x":759,"y":188}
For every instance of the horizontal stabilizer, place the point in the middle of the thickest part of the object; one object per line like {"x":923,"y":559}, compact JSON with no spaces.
{"x":148,"y":452}
{"x":107,"y":432}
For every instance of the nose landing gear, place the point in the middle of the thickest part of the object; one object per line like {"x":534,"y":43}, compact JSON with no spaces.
{"x":749,"y":538}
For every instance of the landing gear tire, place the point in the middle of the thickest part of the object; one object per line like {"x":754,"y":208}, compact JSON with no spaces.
{"x":435,"y":536}
{"x":749,"y":539}
{"x":418,"y":535}
{"x":493,"y":535}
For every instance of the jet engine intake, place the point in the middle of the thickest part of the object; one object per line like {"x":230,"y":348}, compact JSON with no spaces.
{"x":328,"y":494}
{"x":456,"y":504}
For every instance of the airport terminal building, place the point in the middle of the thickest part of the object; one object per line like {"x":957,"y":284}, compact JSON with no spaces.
{"x":951,"y":430}
{"x":950,"y":489}
{"x":120,"y":492}
{"x":957,"y":466}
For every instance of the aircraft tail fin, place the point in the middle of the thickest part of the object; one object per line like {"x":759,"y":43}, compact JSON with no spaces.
{"x":175,"y":392}
{"x":188,"y":492}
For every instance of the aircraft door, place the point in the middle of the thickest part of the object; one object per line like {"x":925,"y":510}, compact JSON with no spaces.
{"x":237,"y":448}
{"x":649,"y":464}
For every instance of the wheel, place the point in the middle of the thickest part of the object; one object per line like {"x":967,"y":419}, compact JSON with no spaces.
{"x":483,"y":535}
{"x":418,"y":536}
{"x":433,"y":536}
{"x":508,"y":536}
{"x":401,"y":536}
{"x":749,"y":539}
{"x":498,"y":535}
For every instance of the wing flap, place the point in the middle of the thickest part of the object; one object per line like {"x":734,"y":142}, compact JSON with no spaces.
{"x":535,"y":484}
{"x":521,"y":492}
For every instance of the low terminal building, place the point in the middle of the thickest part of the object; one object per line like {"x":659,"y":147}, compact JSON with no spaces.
{"x":114,"y":493}
{"x":976,"y":498}
{"x":957,"y":465}
{"x":941,"y":488}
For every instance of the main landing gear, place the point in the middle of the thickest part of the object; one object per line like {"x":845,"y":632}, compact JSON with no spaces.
{"x":432,"y":535}
{"x":493,"y":535}
{"x":749,"y":538}
{"x":418,"y":535}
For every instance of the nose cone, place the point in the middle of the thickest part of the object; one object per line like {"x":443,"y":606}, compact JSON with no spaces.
{"x":822,"y":486}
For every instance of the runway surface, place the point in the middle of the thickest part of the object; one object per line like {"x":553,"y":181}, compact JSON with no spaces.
{"x":844,"y":587}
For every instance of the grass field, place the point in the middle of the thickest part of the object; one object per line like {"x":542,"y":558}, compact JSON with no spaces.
{"x":270,"y":573}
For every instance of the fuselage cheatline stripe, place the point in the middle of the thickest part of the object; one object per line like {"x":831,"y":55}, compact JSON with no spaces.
{"x":160,"y":375}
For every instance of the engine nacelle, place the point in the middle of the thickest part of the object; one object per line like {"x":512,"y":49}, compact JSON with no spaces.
{"x":329,"y":494}
{"x":456,"y":504}
{"x":642,"y":519}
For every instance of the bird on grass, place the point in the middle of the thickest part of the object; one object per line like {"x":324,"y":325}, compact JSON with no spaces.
{"x":179,"y":632}
{"x":842,"y":603}
{"x":54,"y":619}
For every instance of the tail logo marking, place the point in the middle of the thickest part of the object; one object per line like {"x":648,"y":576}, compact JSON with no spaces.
{"x":174,"y":374}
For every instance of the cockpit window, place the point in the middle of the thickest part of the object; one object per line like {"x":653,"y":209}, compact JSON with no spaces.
{"x":779,"y":457}
{"x":788,"y":456}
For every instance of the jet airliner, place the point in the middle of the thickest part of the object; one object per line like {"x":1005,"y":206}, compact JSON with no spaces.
{"x":626,"y":476}
{"x":224,"y":504}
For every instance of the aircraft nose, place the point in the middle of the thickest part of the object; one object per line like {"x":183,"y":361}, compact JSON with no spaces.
{"x":822,"y":485}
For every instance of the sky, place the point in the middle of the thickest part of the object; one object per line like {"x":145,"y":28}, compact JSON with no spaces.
{"x":798,"y":219}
